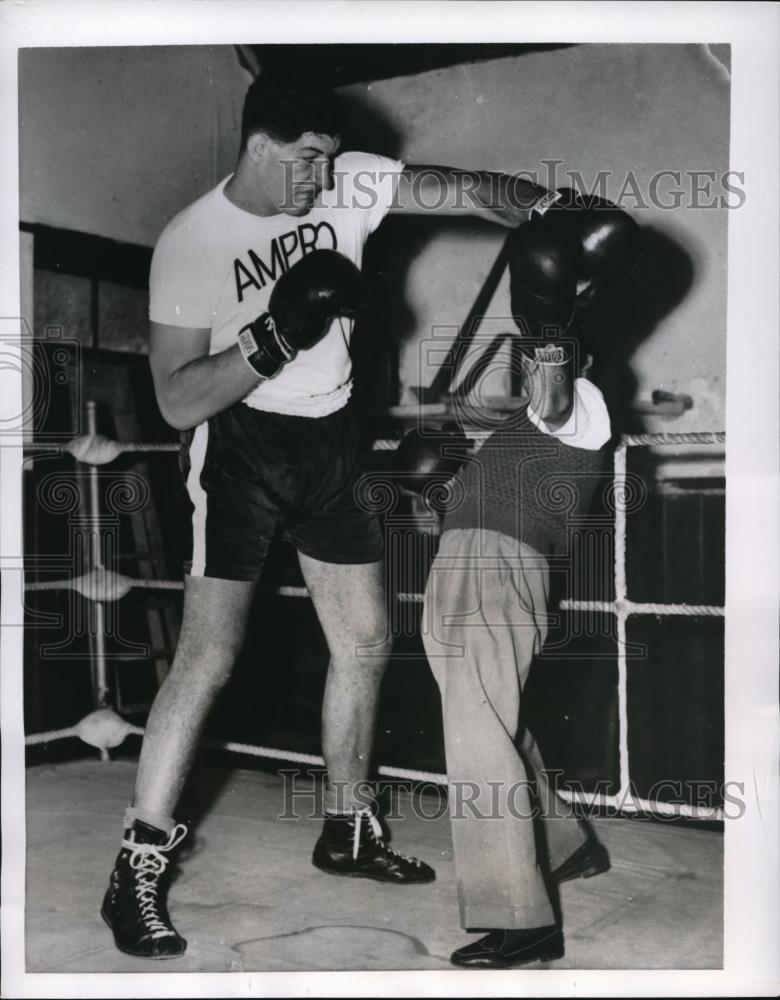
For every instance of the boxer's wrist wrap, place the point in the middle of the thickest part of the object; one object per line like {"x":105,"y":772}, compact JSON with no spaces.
{"x":267,"y":357}
{"x":550,"y":354}
{"x":540,"y":207}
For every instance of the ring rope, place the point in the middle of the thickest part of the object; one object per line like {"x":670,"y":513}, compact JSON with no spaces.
{"x":121,"y":729}
{"x":107,"y":585}
{"x":101,"y":584}
{"x":98,"y":449}
{"x":644,"y":608}
{"x":645,"y":440}
{"x":103,"y":728}
{"x":55,"y":734}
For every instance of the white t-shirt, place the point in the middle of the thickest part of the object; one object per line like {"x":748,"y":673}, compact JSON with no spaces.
{"x":215,"y":266}
{"x":588,"y":426}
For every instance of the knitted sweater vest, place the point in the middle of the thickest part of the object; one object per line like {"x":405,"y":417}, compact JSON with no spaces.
{"x":528,"y":485}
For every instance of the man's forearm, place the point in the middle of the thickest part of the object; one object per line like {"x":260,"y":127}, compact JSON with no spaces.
{"x":504,"y":198}
{"x":204,"y":387}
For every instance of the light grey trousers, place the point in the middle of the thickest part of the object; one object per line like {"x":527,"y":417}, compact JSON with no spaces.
{"x":484,"y":619}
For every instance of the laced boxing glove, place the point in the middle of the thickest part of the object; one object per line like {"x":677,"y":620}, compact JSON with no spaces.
{"x":571,"y":242}
{"x":430,"y":457}
{"x":320,"y":286}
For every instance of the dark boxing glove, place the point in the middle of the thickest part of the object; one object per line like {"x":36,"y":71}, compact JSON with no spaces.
{"x":570,"y":240}
{"x":320,"y":286}
{"x":430,"y":457}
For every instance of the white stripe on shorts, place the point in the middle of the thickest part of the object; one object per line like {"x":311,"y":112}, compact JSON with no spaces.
{"x":198,"y":497}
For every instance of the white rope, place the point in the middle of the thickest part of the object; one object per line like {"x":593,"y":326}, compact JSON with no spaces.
{"x":99,"y":584}
{"x":430,"y":777}
{"x":633,"y":804}
{"x":692,"y":437}
{"x":621,"y":587}
{"x":287,"y":591}
{"x":98,"y":449}
{"x":34,"y":739}
{"x":108,"y":585}
{"x":644,"y":608}
{"x":105,"y":729}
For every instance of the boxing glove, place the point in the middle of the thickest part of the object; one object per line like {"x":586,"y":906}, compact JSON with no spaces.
{"x":430,"y":457}
{"x":572,"y":250}
{"x":320,"y":286}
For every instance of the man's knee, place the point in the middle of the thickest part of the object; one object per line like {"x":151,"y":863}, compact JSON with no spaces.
{"x":367,"y":638}
{"x":207,"y":667}
{"x":375,"y":641}
{"x":366,"y":651}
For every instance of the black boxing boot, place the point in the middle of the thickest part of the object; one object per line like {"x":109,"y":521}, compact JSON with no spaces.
{"x":351,"y":844}
{"x":134,"y":906}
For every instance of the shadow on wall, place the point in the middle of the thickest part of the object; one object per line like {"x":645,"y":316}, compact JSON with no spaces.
{"x":387,"y":257}
{"x":389,"y":322}
{"x":629,"y":315}
{"x":390,"y":254}
{"x":366,"y":129}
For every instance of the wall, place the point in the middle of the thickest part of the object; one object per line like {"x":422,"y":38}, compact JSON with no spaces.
{"x":620,"y":108}
{"x":116,"y":141}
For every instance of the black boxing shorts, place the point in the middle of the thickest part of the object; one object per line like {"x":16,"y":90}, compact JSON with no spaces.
{"x":251,"y":474}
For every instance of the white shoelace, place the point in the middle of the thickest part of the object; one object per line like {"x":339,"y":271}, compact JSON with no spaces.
{"x":376,"y":830}
{"x":150,"y":862}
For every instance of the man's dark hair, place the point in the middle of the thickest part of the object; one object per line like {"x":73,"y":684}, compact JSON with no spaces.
{"x":284,"y":109}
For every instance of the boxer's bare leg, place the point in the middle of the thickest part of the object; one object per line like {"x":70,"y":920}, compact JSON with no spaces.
{"x":213,"y":625}
{"x":212,"y":632}
{"x":351,"y":605}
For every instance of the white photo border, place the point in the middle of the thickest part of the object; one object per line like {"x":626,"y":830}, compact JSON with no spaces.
{"x":752,"y":844}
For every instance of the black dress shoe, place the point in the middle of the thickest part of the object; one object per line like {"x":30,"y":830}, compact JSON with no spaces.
{"x":351,"y":844}
{"x":591,"y":858}
{"x":506,"y":949}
